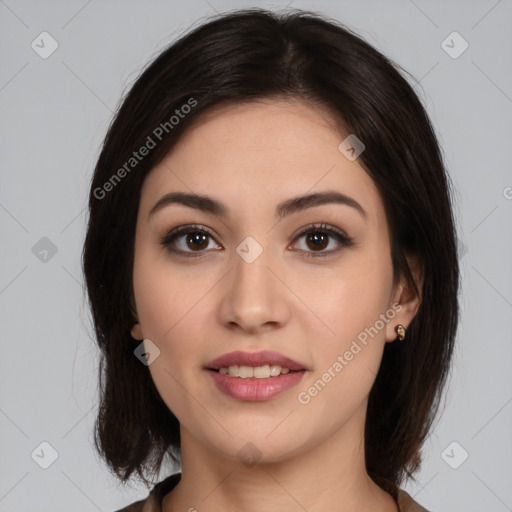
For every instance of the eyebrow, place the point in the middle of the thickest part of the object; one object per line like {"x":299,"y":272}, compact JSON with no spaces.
{"x":293,"y":205}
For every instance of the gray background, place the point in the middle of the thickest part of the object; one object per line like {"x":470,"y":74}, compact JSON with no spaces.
{"x":55,"y":112}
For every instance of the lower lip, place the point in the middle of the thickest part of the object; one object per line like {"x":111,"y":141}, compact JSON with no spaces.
{"x":255,"y":390}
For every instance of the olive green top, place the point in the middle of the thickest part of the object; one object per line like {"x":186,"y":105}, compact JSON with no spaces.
{"x":153,"y":502}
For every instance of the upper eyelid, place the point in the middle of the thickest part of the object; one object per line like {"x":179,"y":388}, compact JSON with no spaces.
{"x":320,"y":226}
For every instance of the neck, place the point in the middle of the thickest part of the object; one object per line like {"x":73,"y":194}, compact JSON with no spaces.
{"x":330,"y":475}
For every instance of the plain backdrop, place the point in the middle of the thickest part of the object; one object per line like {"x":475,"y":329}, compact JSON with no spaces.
{"x":54,"y":115}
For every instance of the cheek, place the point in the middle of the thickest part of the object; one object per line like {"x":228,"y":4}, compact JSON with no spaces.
{"x":348,"y":354}
{"x":172,"y":316}
{"x":348,"y":299}
{"x":162,"y":291}
{"x":171,"y":309}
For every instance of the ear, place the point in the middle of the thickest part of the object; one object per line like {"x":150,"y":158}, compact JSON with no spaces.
{"x":136,"y":330}
{"x":406,"y":299}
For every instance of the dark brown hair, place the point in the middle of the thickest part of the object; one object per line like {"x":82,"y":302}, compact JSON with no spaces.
{"x":253,"y":54}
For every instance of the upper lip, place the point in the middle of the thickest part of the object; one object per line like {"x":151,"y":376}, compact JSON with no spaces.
{"x":241,"y":358}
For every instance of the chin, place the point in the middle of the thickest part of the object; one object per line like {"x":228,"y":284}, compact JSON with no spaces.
{"x":253,"y":448}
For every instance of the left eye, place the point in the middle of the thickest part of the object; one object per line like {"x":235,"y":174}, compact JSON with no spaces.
{"x":317,"y":238}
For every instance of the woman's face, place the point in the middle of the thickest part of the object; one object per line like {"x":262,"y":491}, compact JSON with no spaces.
{"x":246,"y":279}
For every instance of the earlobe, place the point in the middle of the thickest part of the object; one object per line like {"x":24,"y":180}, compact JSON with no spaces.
{"x":136,"y":332}
{"x":405,"y":306}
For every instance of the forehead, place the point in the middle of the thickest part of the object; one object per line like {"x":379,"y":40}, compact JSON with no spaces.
{"x":258,"y":153}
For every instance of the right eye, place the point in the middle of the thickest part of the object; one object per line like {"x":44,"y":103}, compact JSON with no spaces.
{"x":187,"y":240}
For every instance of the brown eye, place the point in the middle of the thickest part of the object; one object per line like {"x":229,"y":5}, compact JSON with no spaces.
{"x":197,"y":241}
{"x":317,"y":241}
{"x":319,"y":237}
{"x":187,"y":240}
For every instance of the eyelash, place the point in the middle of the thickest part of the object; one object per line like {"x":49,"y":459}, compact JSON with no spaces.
{"x":324,"y":229}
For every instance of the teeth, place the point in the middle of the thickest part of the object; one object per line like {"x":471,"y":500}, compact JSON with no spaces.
{"x":259,"y":372}
{"x":245,"y":372}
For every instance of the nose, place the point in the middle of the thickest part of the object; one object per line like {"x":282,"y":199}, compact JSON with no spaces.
{"x":254,"y":300}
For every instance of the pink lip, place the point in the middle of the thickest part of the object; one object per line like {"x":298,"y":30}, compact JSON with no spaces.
{"x":253,"y":389}
{"x":254,"y":359}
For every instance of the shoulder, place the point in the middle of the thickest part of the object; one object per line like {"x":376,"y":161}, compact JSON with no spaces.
{"x":153,"y":502}
{"x":407,"y":503}
{"x":148,"y":504}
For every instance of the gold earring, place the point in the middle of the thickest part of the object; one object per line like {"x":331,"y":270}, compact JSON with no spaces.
{"x":400,"y":330}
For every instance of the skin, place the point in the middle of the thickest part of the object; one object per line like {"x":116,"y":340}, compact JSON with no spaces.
{"x":251,"y":157}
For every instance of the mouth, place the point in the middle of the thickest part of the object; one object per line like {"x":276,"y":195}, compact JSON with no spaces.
{"x":256,"y":360}
{"x":255,"y":376}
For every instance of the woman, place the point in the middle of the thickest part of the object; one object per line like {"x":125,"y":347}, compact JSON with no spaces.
{"x":272,"y":270}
